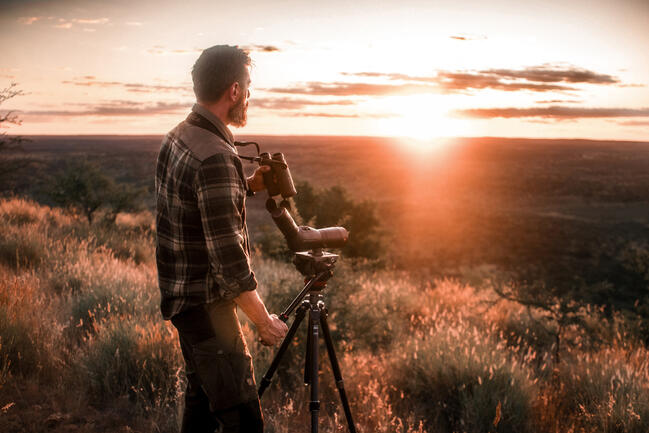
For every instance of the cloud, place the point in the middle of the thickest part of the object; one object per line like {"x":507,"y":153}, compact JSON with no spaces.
{"x":553,"y":112}
{"x":134,"y":23}
{"x":90,"y":81}
{"x":261,"y":48}
{"x":634,"y":123}
{"x":459,"y":81}
{"x":538,"y":79}
{"x":468,"y":37}
{"x":68,"y":24}
{"x":65,"y":23}
{"x":354,"y":89}
{"x":294,"y":103}
{"x":28,"y":20}
{"x":544,"y":78}
{"x":344,"y":116}
{"x":549,"y":74}
{"x":91,"y":21}
{"x":159,"y":50}
{"x":335,"y":115}
{"x":559,"y":101}
{"x":115,"y":108}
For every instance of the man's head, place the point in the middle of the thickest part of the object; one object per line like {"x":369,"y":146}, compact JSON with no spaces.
{"x":221,"y":77}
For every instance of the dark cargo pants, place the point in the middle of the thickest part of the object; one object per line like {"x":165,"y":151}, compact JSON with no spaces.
{"x":221,"y":392}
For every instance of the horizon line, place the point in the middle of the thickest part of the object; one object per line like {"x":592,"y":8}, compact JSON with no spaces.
{"x":353,"y":136}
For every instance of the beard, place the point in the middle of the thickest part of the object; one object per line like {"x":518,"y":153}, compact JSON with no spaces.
{"x":238,"y":113}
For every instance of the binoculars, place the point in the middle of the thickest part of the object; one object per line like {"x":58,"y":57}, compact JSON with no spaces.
{"x":278,"y":179}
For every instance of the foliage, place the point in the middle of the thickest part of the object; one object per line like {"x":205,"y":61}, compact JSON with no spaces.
{"x":333,"y":207}
{"x":83,"y":187}
{"x":417,"y":355}
{"x":9,"y":165}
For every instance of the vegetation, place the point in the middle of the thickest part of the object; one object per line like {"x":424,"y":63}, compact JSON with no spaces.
{"x":82,"y":344}
{"x":506,"y":288}
{"x":328,"y":208}
{"x":83,"y":188}
{"x":10,"y":164}
{"x":334,"y":207}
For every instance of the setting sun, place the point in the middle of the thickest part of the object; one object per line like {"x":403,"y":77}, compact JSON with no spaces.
{"x":515,"y":70}
{"x":423,"y":118}
{"x":451,"y":197}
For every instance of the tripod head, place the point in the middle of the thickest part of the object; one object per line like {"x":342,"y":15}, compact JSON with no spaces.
{"x":314,"y":262}
{"x":317,"y":268}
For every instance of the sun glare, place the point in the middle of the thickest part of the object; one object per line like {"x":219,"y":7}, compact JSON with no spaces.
{"x":422,"y":121}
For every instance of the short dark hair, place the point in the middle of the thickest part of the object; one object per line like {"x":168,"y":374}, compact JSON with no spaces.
{"x":216,"y":69}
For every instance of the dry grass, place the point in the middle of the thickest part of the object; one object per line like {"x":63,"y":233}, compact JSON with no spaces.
{"x":82,"y":344}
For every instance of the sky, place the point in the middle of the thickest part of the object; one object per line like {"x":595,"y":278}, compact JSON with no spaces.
{"x":420,"y":69}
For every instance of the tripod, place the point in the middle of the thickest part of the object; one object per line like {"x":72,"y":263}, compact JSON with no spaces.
{"x":317,"y":268}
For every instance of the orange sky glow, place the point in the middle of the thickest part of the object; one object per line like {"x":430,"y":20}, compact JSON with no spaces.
{"x":564,"y":69}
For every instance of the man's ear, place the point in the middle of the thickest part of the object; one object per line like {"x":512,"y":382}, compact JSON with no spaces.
{"x":234,"y":91}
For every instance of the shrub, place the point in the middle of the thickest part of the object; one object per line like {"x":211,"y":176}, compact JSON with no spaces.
{"x":609,"y":390}
{"x":332,"y":207}
{"x":272,"y":243}
{"x":20,"y":249}
{"x":126,"y":359}
{"x":4,"y":367}
{"x":19,"y":349}
{"x":459,"y":379}
{"x":126,"y":243}
{"x":84,"y":188}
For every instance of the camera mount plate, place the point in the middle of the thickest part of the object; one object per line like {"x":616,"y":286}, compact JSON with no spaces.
{"x":311,"y":263}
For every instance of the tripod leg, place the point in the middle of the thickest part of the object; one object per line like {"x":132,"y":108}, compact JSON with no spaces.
{"x":309,"y":352}
{"x":265,"y":381}
{"x":314,"y":404}
{"x":336,"y":370}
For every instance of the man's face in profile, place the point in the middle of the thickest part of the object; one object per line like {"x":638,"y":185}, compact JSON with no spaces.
{"x":238,"y":113}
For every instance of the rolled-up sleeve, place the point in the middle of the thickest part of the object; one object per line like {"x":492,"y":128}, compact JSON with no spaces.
{"x":220,"y":194}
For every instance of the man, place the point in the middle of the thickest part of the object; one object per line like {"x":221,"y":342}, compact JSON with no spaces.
{"x":202,"y":249}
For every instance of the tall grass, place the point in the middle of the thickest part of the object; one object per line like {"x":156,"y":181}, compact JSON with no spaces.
{"x":79,"y":317}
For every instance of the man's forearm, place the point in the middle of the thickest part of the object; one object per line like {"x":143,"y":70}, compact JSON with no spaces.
{"x":254,"y":307}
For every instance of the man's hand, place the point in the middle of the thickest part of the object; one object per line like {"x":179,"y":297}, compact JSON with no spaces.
{"x":273,"y":331}
{"x":256,"y":181}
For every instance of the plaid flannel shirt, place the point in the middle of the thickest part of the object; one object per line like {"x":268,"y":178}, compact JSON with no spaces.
{"x":202,"y":248}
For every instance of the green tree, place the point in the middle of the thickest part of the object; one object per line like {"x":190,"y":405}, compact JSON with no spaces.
{"x":82,"y":187}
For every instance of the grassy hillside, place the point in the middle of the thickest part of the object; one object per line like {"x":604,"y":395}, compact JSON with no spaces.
{"x":83,"y":348}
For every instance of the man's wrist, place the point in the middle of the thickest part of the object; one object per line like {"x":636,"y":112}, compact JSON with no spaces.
{"x":264,"y":322}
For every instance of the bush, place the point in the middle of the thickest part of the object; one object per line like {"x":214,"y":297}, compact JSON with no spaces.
{"x":19,"y":349}
{"x":458,"y":379}
{"x":21,"y":248}
{"x":333,"y":207}
{"x":609,"y":390}
{"x":272,"y":243}
{"x":128,"y":360}
{"x":84,"y":188}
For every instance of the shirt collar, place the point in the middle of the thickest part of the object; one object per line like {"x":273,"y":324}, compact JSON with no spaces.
{"x":197,"y":108}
